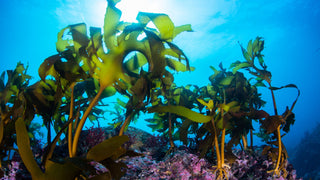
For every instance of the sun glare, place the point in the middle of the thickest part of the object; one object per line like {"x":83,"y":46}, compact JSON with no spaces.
{"x":94,"y":11}
{"x":131,"y":8}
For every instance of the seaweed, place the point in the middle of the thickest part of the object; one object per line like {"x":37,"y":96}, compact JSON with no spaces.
{"x":272,"y":124}
{"x":232,"y":103}
{"x":88,"y":69}
{"x":91,"y":66}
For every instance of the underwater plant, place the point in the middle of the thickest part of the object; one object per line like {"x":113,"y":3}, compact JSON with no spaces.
{"x":232,"y":104}
{"x":17,"y":80}
{"x":271,"y":124}
{"x":136,"y":62}
{"x":83,"y":61}
{"x":166,"y":123}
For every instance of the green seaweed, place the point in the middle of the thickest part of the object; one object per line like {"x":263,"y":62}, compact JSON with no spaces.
{"x":91,"y":66}
{"x":232,"y":104}
{"x":272,"y":124}
{"x":10,"y":110}
{"x":84,"y":71}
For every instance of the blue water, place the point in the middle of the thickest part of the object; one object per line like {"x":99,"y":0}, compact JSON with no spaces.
{"x":290,"y":29}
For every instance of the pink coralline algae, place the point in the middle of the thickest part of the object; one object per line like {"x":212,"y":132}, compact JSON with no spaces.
{"x":181,"y":165}
{"x":13,"y":168}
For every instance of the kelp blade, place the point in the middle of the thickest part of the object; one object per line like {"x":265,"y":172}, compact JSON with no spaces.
{"x":182,"y":111}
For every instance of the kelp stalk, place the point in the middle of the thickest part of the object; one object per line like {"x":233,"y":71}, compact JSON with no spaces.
{"x":222,"y":146}
{"x":170,"y":132}
{"x":70,"y":125}
{"x":216,"y":144}
{"x":125,"y":123}
{"x":244,"y":140}
{"x":83,"y":120}
{"x":276,"y":169}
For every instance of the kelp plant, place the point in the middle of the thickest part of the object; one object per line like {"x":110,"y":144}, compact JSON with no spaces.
{"x":276,"y":122}
{"x":99,"y":63}
{"x":214,"y":121}
{"x":232,"y":104}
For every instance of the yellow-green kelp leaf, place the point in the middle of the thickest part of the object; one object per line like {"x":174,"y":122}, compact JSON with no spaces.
{"x":106,"y":148}
{"x":176,"y":52}
{"x":161,"y":21}
{"x":182,"y":28}
{"x":239,"y":65}
{"x":157,"y":61}
{"x":111,"y":22}
{"x":226,"y":80}
{"x":232,"y":106}
{"x":181,"y":111}
{"x":47,"y":67}
{"x":215,"y":73}
{"x":111,"y":71}
{"x":246,"y":54}
{"x":121,"y":103}
{"x":62,"y":43}
{"x":79,"y":36}
{"x":249,"y":48}
{"x":25,"y":151}
{"x":107,"y":92}
{"x":55,"y":171}
{"x":177,"y":66}
{"x":135,"y":62}
{"x":209,"y":104}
